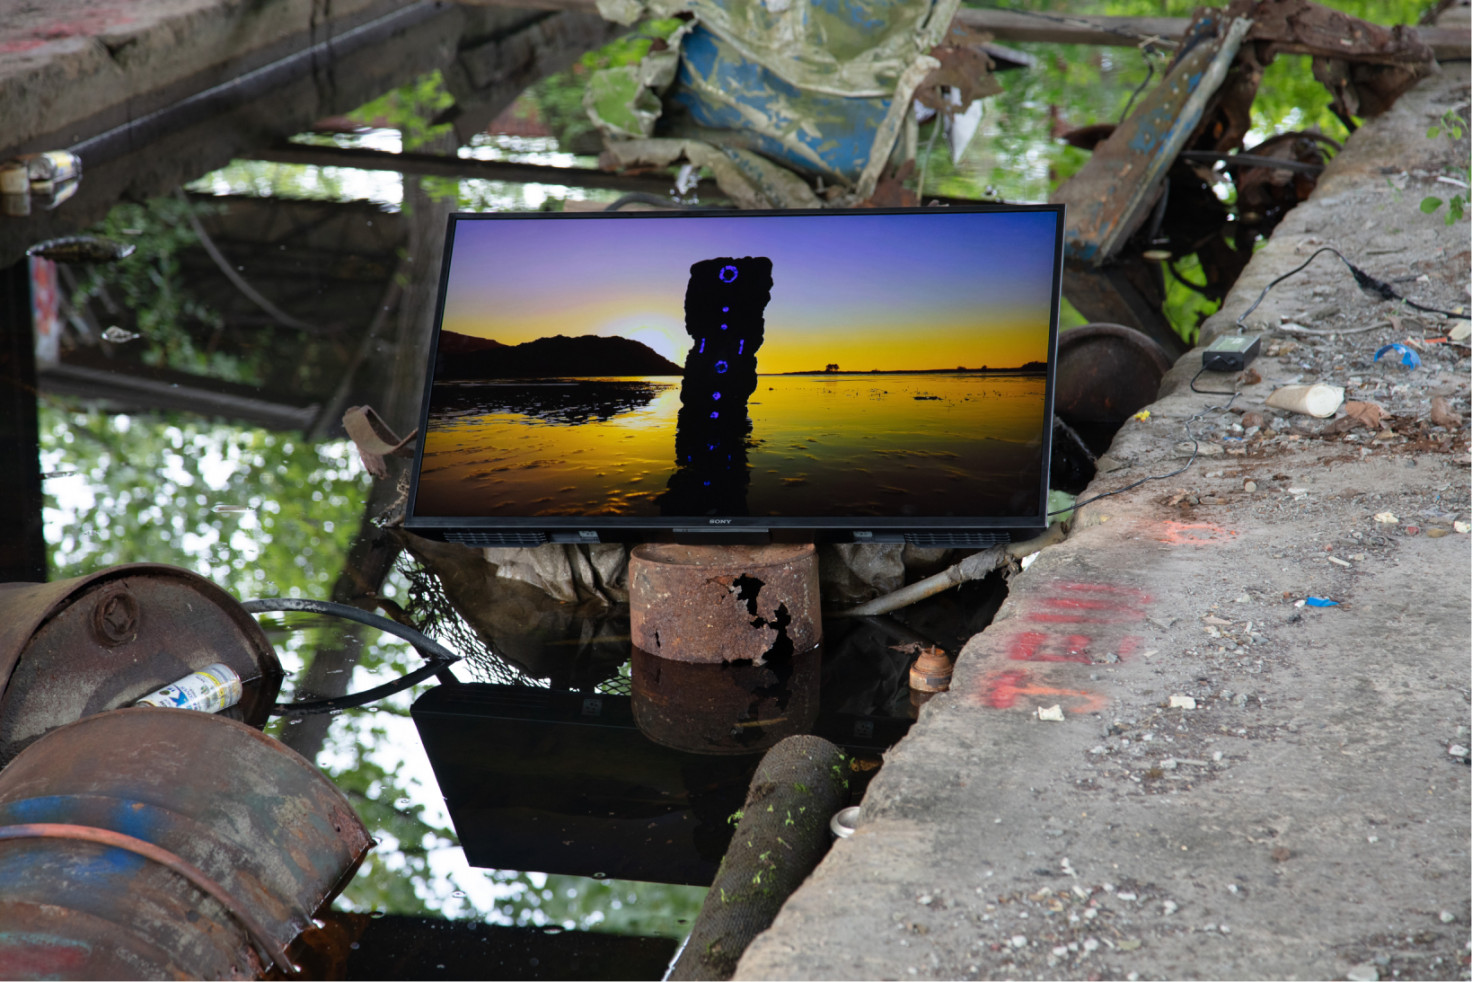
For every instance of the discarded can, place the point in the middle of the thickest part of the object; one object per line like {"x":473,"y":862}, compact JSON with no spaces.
{"x":931,"y":671}
{"x":208,"y":690}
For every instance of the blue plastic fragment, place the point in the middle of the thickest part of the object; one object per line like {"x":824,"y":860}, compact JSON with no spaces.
{"x":1408,"y":357}
{"x":1321,"y":602}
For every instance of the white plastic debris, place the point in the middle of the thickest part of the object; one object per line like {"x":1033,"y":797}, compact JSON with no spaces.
{"x":1053,"y":714}
{"x":1319,"y":399}
{"x":1181,"y":701}
{"x":1386,"y":518}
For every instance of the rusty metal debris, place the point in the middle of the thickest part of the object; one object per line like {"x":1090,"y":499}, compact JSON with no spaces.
{"x":931,"y":671}
{"x":726,"y":604}
{"x":75,"y":647}
{"x":161,"y":843}
{"x":1147,"y":187}
{"x":724,"y":708}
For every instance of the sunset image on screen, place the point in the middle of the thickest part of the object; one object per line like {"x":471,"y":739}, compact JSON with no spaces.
{"x":887,"y":364}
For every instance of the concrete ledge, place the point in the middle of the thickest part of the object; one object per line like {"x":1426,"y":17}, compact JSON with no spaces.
{"x":1240,"y":787}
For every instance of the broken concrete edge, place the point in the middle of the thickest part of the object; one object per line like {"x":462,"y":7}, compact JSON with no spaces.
{"x":1012,"y":666}
{"x":1293,"y":241}
{"x":80,"y":75}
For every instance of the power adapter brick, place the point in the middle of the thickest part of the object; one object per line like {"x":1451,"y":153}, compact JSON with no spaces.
{"x":1231,"y":352}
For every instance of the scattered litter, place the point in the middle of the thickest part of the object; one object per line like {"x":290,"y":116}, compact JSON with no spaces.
{"x":1150,"y":654}
{"x":1319,"y":399}
{"x":1441,"y":413}
{"x":1462,"y":527}
{"x":1363,"y":972}
{"x":1180,"y":701}
{"x":1366,"y":414}
{"x":1457,"y":750}
{"x":1447,"y":917}
{"x":1386,"y":518}
{"x":1053,"y":714}
{"x":1339,"y":562}
{"x":1142,"y":415}
{"x":1408,"y":358}
{"x":117,"y":335}
{"x":1461,"y":332}
{"x":1317,"y":602}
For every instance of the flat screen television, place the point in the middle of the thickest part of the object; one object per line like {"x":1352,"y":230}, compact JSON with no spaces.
{"x":711,"y":377}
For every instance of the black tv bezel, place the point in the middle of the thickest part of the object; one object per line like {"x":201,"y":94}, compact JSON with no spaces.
{"x":734,"y":529}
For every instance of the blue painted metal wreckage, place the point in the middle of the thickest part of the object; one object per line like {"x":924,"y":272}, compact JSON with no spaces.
{"x":1196,"y":117}
{"x":777,"y":99}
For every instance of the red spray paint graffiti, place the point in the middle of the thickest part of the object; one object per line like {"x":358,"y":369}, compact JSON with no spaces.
{"x":1079,"y":605}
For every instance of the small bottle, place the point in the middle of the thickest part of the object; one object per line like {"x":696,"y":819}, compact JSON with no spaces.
{"x":208,"y":690}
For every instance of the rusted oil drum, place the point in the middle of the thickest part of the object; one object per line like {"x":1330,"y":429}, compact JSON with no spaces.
{"x":165,"y":843}
{"x":724,"y":604}
{"x":75,"y":647}
{"x":1106,"y":373}
{"x":724,"y":708}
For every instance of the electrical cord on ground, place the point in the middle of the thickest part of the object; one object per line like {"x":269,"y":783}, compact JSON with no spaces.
{"x":1365,"y":281}
{"x":1209,"y":392}
{"x":437,"y":657}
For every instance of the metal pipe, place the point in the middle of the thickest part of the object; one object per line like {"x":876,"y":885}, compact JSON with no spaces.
{"x":973,"y":567}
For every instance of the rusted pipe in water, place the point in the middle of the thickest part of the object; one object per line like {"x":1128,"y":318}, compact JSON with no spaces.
{"x":780,"y":837}
{"x":973,"y":567}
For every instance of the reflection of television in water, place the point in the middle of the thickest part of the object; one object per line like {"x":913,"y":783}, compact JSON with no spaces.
{"x":866,"y":375}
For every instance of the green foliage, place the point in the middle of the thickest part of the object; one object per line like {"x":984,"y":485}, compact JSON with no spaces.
{"x":148,"y":287}
{"x":411,"y":109}
{"x":146,"y":489}
{"x":557,"y":100}
{"x":1454,"y":126}
{"x":617,"y":906}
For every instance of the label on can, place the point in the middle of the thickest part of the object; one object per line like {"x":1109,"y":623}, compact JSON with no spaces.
{"x":208,"y":690}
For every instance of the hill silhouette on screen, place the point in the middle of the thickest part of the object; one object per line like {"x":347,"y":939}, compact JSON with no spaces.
{"x":557,"y":356}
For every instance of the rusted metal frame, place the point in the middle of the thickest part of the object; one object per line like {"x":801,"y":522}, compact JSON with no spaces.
{"x":1163,"y":155}
{"x":443,"y":165}
{"x":196,"y":876}
{"x":1244,"y":160}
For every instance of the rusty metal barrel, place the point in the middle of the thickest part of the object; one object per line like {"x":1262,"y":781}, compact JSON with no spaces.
{"x":726,"y":644}
{"x":153,"y":843}
{"x":723,"y":604}
{"x":75,"y":647}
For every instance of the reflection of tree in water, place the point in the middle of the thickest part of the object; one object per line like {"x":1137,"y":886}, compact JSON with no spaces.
{"x":562,"y":401}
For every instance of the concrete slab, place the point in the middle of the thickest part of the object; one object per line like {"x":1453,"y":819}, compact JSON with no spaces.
{"x":69,"y":68}
{"x":1240,"y":787}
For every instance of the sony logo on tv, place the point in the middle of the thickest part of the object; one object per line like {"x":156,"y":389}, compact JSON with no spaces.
{"x":720,"y":521}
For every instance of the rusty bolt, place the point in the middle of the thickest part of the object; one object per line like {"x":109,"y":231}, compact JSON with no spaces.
{"x":115,"y":618}
{"x":931,"y":671}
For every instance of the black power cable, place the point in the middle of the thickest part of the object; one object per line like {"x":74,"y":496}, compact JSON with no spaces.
{"x":437,"y":657}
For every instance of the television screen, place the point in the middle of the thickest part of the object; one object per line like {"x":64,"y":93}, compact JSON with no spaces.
{"x":869,"y":375}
